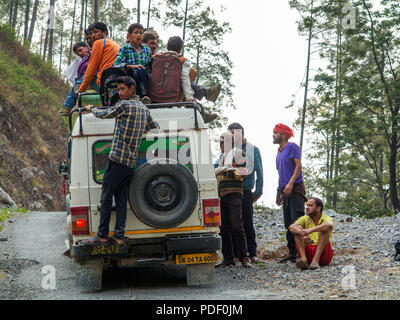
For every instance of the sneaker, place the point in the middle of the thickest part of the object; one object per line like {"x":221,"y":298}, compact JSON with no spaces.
{"x":64,"y":112}
{"x":246,"y":262}
{"x":145,"y":100}
{"x":208,"y":117}
{"x":301,"y":264}
{"x":212,"y":93}
{"x":290,"y":257}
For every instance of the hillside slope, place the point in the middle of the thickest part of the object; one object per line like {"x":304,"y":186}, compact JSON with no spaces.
{"x":33,"y":138}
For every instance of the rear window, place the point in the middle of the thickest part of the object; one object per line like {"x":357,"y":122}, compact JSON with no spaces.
{"x":176,"y":148}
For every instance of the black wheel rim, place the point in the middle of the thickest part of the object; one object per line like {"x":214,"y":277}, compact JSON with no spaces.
{"x":163,"y":193}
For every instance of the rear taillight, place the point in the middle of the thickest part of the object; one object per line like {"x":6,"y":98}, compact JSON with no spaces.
{"x":80,"y":220}
{"x":211,"y":210}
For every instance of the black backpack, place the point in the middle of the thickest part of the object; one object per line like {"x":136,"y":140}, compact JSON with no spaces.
{"x":108,"y":85}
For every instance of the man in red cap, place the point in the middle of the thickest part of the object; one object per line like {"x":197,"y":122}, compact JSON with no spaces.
{"x":291,"y":190}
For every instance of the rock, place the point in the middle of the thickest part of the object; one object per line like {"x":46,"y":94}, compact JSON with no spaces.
{"x":26,"y":173}
{"x":6,"y":199}
{"x":330,"y":212}
{"x":35,"y":205}
{"x":3,"y":238}
{"x":11,"y":220}
{"x":3,"y":138}
{"x":47,"y":196}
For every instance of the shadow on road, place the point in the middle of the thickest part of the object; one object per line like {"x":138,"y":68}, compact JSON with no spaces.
{"x":144,"y":277}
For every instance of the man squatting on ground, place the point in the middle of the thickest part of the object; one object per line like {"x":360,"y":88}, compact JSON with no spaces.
{"x":291,"y":191}
{"x":313,"y":235}
{"x":254,"y":166}
{"x":133,"y":119}
{"x":230,"y":170}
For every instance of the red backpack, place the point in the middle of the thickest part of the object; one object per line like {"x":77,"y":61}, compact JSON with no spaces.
{"x":165,"y":78}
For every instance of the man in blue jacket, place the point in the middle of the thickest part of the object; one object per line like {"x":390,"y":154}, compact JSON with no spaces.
{"x":254,"y":166}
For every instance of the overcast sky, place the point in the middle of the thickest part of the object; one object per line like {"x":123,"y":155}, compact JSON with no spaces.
{"x":269,"y":59}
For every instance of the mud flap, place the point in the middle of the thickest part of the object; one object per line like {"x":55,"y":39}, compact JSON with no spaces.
{"x":88,"y":274}
{"x":198,"y":274}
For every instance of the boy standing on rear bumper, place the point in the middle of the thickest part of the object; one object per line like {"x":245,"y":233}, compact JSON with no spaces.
{"x":132,"y":120}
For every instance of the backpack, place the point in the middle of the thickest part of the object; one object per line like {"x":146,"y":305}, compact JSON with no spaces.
{"x":165,"y":79}
{"x":108,"y":85}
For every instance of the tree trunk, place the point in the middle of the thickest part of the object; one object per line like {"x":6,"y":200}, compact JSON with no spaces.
{"x":86,"y":5}
{"x":33,"y":20}
{"x":184,"y":26}
{"x":148,"y":14}
{"x":51,"y":30}
{"x":81,"y":31}
{"x":10,"y":17}
{"x":14,"y":20}
{"x":96,"y":10}
{"x":393,"y":168}
{"x":61,"y":47}
{"x":41,"y":41}
{"x":46,"y":41}
{"x":138,"y":11}
{"x":27,"y":8}
{"x":303,"y":117}
{"x":72,"y":34}
{"x":338,"y":104}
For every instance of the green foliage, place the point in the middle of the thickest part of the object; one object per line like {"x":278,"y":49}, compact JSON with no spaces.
{"x":19,"y":82}
{"x":8,"y":34}
{"x":352,"y":119}
{"x":6,"y":213}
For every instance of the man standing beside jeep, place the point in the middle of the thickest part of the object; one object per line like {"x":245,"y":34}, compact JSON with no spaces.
{"x":255,"y":168}
{"x":132,"y":120}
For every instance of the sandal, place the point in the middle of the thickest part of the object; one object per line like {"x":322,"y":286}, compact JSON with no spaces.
{"x":114,"y":239}
{"x":301,"y":264}
{"x":94,"y":240}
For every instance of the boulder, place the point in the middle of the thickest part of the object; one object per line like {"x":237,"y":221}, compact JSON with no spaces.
{"x":5,"y":200}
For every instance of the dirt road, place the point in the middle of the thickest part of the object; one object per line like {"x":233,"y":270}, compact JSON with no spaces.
{"x":362,"y":268}
{"x":34,"y":251}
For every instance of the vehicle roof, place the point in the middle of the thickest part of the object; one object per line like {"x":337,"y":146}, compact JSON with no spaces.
{"x":167,"y":118}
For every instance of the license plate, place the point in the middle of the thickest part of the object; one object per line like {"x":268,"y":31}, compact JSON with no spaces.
{"x":197,"y":258}
{"x":105,"y":250}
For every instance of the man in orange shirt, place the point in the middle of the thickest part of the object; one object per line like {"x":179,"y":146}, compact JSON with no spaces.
{"x":104,"y":52}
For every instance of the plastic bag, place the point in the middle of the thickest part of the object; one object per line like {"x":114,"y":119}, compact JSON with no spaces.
{"x":72,"y":71}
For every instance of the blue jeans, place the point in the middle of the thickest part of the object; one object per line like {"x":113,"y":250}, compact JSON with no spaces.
{"x":115,"y":183}
{"x":70,"y":102}
{"x":141,"y":77}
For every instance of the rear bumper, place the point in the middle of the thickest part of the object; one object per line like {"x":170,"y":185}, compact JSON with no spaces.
{"x":152,"y":247}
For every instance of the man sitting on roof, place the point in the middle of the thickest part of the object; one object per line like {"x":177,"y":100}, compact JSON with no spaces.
{"x":135,"y":58}
{"x":83,"y":51}
{"x":104,"y":52}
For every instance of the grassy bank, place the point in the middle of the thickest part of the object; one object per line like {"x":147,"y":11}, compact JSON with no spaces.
{"x":6,"y":213}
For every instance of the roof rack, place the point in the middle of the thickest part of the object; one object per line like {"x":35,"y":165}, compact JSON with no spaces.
{"x":192,"y":105}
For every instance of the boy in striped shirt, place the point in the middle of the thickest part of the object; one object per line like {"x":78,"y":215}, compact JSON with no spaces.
{"x":230,"y":170}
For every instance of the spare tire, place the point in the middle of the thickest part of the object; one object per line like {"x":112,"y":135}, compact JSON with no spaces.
{"x":163,"y":195}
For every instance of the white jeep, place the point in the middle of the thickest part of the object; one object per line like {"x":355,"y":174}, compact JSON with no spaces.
{"x":173,"y":214}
